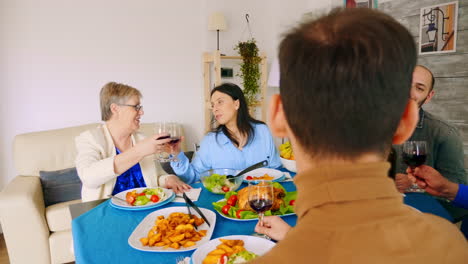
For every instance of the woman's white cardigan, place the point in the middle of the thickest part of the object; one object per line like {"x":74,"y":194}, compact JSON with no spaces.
{"x":95,"y":164}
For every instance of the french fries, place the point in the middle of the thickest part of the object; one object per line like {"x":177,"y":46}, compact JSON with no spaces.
{"x":227,"y":247}
{"x":175,"y":231}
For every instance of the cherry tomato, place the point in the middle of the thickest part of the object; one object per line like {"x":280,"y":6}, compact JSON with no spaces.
{"x":141,"y":194}
{"x":223,"y":259}
{"x":232,"y":200}
{"x":130,"y":199}
{"x":225,"y":209}
{"x":249,"y":178}
{"x":238,"y":215}
{"x":154,"y":198}
{"x":292,"y":202}
{"x":225,"y":189}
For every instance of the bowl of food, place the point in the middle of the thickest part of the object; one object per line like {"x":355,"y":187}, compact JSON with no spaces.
{"x":216,"y":180}
{"x":290,"y":165}
{"x":287,"y":156}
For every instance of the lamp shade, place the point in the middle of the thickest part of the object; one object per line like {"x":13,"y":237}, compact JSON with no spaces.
{"x":274,"y":76}
{"x":217,"y":22}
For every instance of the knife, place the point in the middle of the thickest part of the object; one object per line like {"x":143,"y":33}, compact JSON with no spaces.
{"x":189,"y":202}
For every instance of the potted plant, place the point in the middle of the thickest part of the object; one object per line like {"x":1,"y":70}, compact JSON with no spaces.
{"x":249,"y":70}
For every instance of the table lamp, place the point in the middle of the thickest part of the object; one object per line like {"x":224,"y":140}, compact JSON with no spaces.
{"x":217,"y":23}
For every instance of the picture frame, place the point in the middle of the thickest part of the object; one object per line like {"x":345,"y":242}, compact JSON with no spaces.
{"x":438,"y":28}
{"x":360,"y":3}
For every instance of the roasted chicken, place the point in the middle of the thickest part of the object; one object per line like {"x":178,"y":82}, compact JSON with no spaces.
{"x":243,"y":199}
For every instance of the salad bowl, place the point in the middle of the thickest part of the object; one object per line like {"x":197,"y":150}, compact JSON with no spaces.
{"x":216,"y":180}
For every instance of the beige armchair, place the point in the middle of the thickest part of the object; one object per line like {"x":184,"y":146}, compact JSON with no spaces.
{"x":34,"y":233}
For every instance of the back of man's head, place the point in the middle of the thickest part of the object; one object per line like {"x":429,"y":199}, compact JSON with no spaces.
{"x":345,"y":81}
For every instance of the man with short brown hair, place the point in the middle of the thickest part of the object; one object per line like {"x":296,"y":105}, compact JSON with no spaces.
{"x":345,"y":83}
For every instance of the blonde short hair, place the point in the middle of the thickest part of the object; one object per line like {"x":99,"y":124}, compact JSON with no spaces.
{"x":115,"y":93}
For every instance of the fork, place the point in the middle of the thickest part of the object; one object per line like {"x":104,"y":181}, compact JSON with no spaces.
{"x":180,"y":260}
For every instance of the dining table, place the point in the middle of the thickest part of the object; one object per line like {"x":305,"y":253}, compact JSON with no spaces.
{"x":101,"y":234}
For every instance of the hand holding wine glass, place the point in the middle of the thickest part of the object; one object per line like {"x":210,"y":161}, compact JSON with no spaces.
{"x":414,"y":155}
{"x":261,"y":198}
{"x":172,"y":131}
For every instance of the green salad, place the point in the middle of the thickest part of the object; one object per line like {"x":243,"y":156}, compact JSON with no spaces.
{"x":218,"y":183}
{"x":229,"y":206}
{"x":241,"y":257}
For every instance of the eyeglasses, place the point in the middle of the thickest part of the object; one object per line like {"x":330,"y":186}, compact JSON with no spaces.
{"x":137,"y":107}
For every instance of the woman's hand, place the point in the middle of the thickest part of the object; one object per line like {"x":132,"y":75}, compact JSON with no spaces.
{"x":153,"y":144}
{"x":175,"y":148}
{"x":173,"y":182}
{"x":274,"y":227}
{"x":402,"y":182}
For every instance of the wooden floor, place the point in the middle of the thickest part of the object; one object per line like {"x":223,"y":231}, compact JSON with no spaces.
{"x":3,"y":251}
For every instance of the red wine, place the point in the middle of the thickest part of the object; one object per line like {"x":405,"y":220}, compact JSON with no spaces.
{"x":261,"y":205}
{"x":414,"y":160}
{"x":163,"y":137}
{"x":174,"y":140}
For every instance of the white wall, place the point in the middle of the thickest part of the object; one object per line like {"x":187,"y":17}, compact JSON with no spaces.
{"x":55,"y":55}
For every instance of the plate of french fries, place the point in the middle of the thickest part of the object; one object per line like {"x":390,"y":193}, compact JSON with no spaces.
{"x":214,"y":250}
{"x":172,"y":230}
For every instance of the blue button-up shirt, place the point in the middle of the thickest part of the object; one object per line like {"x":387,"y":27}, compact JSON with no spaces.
{"x":218,"y":152}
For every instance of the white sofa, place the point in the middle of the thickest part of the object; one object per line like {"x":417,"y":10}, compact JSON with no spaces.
{"x":34,"y":233}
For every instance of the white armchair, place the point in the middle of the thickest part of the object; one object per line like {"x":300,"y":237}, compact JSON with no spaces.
{"x":35,"y":233}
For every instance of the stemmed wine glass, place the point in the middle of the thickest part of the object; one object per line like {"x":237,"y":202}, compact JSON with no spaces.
{"x":261,"y":198}
{"x":174,"y":133}
{"x":414,"y":155}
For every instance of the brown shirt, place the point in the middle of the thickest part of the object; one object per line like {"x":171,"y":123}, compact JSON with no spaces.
{"x":354,"y":214}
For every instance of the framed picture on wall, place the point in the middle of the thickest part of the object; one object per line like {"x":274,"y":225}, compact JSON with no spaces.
{"x":360,"y":3}
{"x":438,"y":28}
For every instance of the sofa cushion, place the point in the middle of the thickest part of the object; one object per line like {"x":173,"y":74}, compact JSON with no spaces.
{"x":60,"y":186}
{"x":61,"y":247}
{"x":46,"y":150}
{"x":59,"y":217}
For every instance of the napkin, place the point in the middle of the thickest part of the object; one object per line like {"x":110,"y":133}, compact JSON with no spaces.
{"x":193,"y":194}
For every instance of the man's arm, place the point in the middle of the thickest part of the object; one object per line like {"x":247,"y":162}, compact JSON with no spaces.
{"x":450,"y":158}
{"x":434,"y":183}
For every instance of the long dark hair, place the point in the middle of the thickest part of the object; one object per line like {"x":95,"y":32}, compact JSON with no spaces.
{"x":244,"y":120}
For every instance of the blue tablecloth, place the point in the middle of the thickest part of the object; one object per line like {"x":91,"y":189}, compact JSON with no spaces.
{"x":101,"y":235}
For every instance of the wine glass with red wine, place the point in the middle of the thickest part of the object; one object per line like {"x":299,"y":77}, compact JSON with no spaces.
{"x":261,"y":198}
{"x":414,"y":155}
{"x":174,"y":133}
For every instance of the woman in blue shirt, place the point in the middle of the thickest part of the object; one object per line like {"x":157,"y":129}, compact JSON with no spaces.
{"x":238,"y":142}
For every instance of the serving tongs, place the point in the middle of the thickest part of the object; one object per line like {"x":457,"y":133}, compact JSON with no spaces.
{"x":253,"y":167}
{"x":189,"y":203}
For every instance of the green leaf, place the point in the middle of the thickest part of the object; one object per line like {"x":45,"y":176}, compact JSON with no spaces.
{"x":248,"y":215}
{"x":219,"y":205}
{"x":229,"y":194}
{"x":232,"y":211}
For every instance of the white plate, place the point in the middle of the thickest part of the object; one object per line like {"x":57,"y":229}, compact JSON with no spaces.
{"x":276,"y":174}
{"x":148,"y":222}
{"x":169,"y":195}
{"x":257,"y":245}
{"x":237,"y":219}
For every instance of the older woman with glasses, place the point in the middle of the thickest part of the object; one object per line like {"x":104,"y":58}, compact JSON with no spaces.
{"x":113,"y":157}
